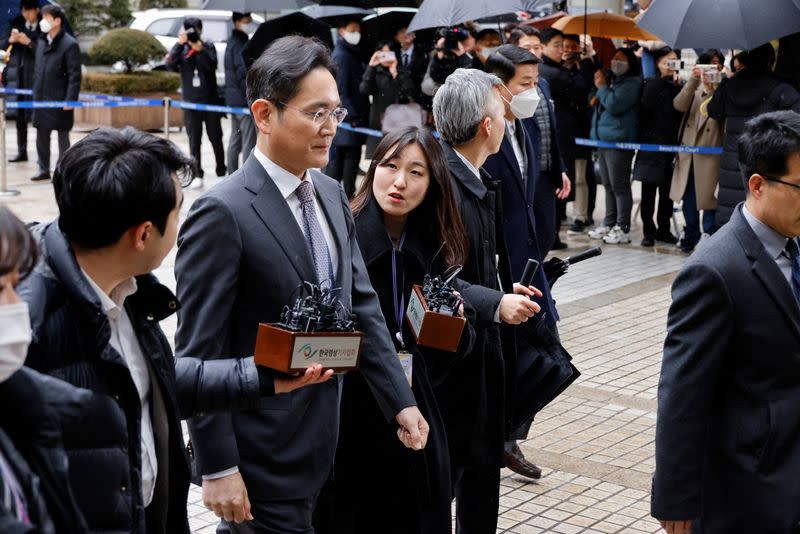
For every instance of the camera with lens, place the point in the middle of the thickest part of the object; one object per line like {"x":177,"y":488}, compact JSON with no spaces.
{"x":192,"y":35}
{"x":453,"y":36}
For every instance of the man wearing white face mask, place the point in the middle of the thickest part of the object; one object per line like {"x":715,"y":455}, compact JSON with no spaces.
{"x":517,"y":167}
{"x":35,"y":495}
{"x":346,"y":151}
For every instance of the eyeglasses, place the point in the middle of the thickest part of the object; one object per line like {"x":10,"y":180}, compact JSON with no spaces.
{"x":321,"y":117}
{"x":779,"y":181}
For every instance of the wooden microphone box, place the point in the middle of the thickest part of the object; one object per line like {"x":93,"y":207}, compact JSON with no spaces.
{"x":433,"y":329}
{"x":293,"y":352}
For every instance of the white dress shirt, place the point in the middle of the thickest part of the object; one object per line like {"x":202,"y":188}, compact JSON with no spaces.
{"x":287,"y":184}
{"x":522,"y":160}
{"x":124,"y":341}
{"x":409,"y":53}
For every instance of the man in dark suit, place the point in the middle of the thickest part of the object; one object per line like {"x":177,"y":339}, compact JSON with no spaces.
{"x":21,"y":40}
{"x":413,"y":59}
{"x":517,"y":168}
{"x":727,"y":447}
{"x":469,"y":114}
{"x":250,"y":243}
{"x":57,"y":77}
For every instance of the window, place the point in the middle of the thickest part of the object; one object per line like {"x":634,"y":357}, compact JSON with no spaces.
{"x":216,"y":30}
{"x":163,"y":27}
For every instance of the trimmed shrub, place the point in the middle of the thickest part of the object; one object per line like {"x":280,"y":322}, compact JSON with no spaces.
{"x":132,"y":47}
{"x":135,"y":83}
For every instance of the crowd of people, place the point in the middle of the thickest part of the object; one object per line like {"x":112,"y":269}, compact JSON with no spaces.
{"x":97,"y":445}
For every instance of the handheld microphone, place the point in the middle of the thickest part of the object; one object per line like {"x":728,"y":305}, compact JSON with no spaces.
{"x":530,"y":271}
{"x":585,"y":255}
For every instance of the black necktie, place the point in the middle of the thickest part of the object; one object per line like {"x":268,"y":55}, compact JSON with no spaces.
{"x":794,"y":255}
{"x":405,"y":59}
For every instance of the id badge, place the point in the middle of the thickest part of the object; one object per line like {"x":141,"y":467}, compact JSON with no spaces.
{"x":196,"y":80}
{"x":407,"y":362}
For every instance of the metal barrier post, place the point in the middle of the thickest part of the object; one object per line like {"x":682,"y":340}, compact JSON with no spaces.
{"x":166,"y":117}
{"x":4,"y":190}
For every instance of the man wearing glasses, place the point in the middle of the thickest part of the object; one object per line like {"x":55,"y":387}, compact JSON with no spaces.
{"x":728,"y":432}
{"x":245,"y":248}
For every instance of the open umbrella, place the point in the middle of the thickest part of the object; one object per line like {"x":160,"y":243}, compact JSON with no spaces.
{"x":367,"y":4}
{"x":604,"y":25}
{"x":442,"y":13}
{"x":255,"y":6}
{"x":741,"y":24}
{"x":291,"y":24}
{"x":334,"y":15}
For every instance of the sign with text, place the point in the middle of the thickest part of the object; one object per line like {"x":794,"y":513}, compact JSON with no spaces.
{"x":292,"y":352}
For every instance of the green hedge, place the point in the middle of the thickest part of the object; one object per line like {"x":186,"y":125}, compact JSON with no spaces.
{"x":135,"y":83}
{"x":132,"y":47}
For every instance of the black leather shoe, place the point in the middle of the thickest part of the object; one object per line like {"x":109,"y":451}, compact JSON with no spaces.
{"x":222,"y":171}
{"x":18,"y":159}
{"x":41,"y":177}
{"x":648,"y":241}
{"x":666,"y":237}
{"x":515,"y":460}
{"x":558,"y":245}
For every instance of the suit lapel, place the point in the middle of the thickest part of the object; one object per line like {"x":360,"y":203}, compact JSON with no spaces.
{"x":767,"y":271}
{"x":330,"y":198}
{"x":274,"y":212}
{"x":533,"y":169}
{"x":507,"y":151}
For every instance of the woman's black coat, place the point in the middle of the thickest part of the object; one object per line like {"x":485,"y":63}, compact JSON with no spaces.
{"x":659,"y":124}
{"x":380,"y":485}
{"x":385,"y":91}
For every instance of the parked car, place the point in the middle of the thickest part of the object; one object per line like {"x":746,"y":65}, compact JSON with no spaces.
{"x":165,"y":24}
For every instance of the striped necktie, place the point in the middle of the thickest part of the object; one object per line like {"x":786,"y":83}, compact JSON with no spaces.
{"x":794,"y":255}
{"x":315,"y":236}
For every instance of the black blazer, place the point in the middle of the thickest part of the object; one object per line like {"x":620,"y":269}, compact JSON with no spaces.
{"x":727,"y":447}
{"x":519,"y":220}
{"x":241,"y":257}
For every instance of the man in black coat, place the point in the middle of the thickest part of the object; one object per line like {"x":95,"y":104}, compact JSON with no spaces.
{"x":243,"y":131}
{"x":23,"y":36}
{"x":470,"y":116}
{"x":57,"y":77}
{"x":751,"y":91}
{"x":727,"y":448}
{"x":196,"y":61}
{"x":346,"y":152}
{"x":95,"y":311}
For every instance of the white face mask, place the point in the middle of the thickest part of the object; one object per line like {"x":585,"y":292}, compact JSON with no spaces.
{"x":352,"y":37}
{"x":15,"y":336}
{"x":45,"y":26}
{"x":524,"y":105}
{"x":487,"y":51}
{"x":619,"y":67}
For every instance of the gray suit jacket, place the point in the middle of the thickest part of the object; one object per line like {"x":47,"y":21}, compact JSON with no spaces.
{"x":241,"y":257}
{"x":728,"y":431}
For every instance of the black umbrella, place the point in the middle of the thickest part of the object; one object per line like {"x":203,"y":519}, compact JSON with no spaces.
{"x":335,"y":15}
{"x":741,"y":24}
{"x":440,"y":13}
{"x":381,"y":27}
{"x":531,"y":6}
{"x":291,"y":24}
{"x":368,"y":4}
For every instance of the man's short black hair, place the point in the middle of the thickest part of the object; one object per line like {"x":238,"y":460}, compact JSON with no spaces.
{"x":29,"y":4}
{"x":192,"y":22}
{"x":344,"y":23}
{"x":766,"y":144}
{"x":574,"y":37}
{"x":276,"y":75}
{"x":759,"y":59}
{"x":523,"y":30}
{"x":548,"y":34}
{"x":55,"y":11}
{"x":485,"y":33}
{"x":113,"y":180}
{"x":237,"y":16}
{"x":503,"y":61}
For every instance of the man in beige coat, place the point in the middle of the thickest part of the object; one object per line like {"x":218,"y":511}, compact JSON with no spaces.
{"x":694,"y":179}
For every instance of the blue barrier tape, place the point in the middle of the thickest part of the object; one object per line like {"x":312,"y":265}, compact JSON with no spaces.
{"x":9,"y":91}
{"x":82,"y":96}
{"x":209,"y":107}
{"x":365,"y":131}
{"x":140,"y":103}
{"x":644,"y":147}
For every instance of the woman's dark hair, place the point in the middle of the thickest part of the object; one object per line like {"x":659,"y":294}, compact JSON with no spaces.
{"x":709,"y":54}
{"x":192,"y":22}
{"x":766,"y":144}
{"x":759,"y":59}
{"x":18,"y":250}
{"x":439,"y":206}
{"x":634,"y":65}
{"x":661,"y":52}
{"x":503,"y":62}
{"x":383,"y":43}
{"x":113,"y":180}
{"x":277,"y":74}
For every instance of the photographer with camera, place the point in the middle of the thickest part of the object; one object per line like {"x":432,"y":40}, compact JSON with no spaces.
{"x":196,"y":61}
{"x":450,"y":54}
